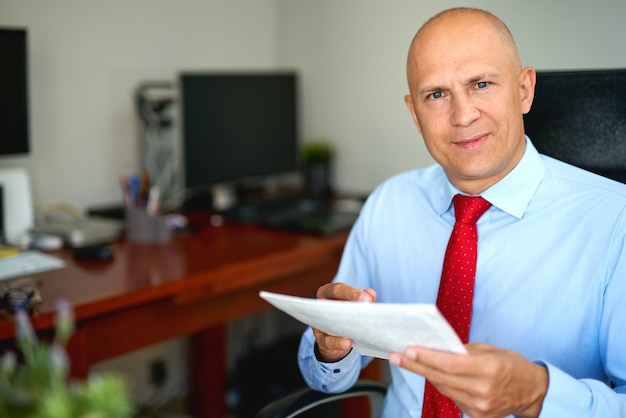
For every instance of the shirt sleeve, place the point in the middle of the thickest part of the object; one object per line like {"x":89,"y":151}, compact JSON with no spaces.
{"x":569,"y":397}
{"x":334,"y":377}
{"x":587,"y":397}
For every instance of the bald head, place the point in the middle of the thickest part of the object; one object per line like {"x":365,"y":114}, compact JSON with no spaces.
{"x":468,"y":95}
{"x":461,"y":23}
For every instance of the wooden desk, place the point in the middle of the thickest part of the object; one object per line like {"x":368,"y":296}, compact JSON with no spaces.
{"x":188,"y":287}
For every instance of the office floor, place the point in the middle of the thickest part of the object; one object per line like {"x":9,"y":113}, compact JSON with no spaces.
{"x":175,"y":409}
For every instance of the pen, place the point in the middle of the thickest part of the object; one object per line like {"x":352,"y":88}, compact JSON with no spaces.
{"x":133,"y":189}
{"x":125,"y":194}
{"x":144,"y":187}
{"x":152,"y":207}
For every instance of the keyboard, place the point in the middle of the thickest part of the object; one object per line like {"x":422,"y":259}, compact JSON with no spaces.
{"x":262,"y":210}
{"x":28,"y":262}
{"x":320,"y":222}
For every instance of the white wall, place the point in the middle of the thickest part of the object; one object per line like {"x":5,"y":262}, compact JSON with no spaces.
{"x":352,"y":54}
{"x":87,"y":58}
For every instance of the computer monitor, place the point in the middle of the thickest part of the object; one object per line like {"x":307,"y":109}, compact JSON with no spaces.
{"x":580,"y":117}
{"x":14,"y":133}
{"x":237,"y":127}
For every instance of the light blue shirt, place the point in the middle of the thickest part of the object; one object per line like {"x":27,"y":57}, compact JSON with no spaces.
{"x":550,"y":281}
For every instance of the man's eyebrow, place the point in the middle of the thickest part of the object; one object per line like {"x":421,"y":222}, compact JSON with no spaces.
{"x":476,"y":78}
{"x":430,"y":89}
{"x":471,"y":80}
{"x":484,"y":76}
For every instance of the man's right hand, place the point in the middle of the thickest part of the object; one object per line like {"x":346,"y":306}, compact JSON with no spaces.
{"x":331,"y":348}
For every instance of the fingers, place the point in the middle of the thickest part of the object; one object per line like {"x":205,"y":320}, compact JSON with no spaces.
{"x":456,"y":371}
{"x":332,"y":343}
{"x":445,"y":371}
{"x":331,"y":348}
{"x":414,"y":357}
{"x":342,"y":291}
{"x":488,"y":382}
{"x":436,"y":366}
{"x":369,"y":292}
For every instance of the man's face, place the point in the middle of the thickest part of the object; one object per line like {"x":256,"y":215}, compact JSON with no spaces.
{"x":467,"y":100}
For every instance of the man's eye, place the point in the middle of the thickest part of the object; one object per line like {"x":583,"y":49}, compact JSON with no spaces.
{"x":482,"y":84}
{"x":436,"y":95}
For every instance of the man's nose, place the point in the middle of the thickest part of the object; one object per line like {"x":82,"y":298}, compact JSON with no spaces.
{"x":464,"y":110}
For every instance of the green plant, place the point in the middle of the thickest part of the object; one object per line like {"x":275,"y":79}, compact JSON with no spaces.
{"x":38,"y":386}
{"x":316,"y":153}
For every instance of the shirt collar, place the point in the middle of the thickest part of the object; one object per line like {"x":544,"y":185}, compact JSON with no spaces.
{"x":511,"y":194}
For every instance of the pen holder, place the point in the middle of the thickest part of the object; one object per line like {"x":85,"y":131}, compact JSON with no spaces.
{"x":143,"y":227}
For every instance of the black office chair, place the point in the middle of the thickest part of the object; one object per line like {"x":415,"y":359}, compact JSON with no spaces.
{"x":580,"y":117}
{"x":307,"y":400}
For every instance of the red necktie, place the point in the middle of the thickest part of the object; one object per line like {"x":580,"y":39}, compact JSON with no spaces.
{"x":456,"y":289}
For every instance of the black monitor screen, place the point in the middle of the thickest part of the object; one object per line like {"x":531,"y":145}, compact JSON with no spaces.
{"x":237,"y":126}
{"x":13,"y":92}
{"x":580,"y":117}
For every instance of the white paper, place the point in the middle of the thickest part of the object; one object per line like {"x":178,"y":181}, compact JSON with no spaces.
{"x":376,"y":329}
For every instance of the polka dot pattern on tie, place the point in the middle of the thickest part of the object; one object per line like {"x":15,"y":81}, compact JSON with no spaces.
{"x":459,"y":267}
{"x":456,"y":290}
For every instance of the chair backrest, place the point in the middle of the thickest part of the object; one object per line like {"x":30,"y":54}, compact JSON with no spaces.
{"x":580,"y":117}
{"x":307,"y":400}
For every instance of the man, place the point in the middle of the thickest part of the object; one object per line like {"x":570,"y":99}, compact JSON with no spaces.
{"x":548,"y":322}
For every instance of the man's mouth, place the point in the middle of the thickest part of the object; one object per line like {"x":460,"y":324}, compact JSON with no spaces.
{"x":472,"y":143}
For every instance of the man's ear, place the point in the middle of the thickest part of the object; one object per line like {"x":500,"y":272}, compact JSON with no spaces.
{"x":409,"y":103}
{"x":528,"y":79}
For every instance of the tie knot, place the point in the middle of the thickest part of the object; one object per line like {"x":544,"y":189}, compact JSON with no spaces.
{"x":468,"y":209}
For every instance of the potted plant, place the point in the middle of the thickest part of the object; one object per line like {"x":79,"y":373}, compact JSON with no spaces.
{"x":317,"y":157}
{"x":38,"y":385}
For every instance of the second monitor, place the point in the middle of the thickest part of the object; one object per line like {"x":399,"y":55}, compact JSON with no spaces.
{"x":237,"y":127}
